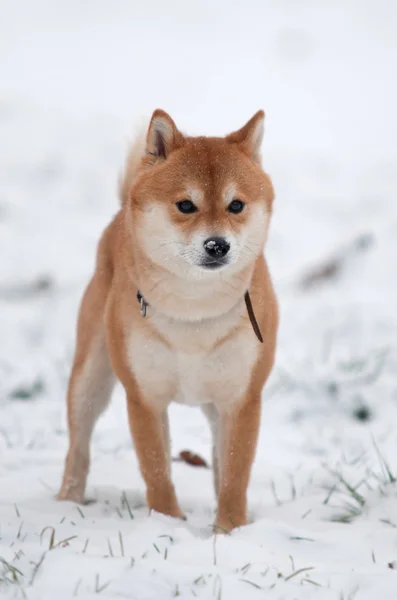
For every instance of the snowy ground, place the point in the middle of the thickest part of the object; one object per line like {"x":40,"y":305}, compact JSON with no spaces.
{"x":75,"y":78}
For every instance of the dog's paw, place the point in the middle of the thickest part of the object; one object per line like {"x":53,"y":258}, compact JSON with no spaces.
{"x":170,"y":511}
{"x":165,"y":502}
{"x":224,"y":525}
{"x":67,"y":494}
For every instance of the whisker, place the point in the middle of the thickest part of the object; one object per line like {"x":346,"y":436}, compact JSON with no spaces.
{"x":167,"y":244}
{"x":250,"y":249}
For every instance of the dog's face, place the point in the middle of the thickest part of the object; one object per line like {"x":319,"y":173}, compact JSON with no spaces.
{"x":202,"y":205}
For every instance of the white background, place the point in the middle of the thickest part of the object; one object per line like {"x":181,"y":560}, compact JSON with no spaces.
{"x":76,"y":79}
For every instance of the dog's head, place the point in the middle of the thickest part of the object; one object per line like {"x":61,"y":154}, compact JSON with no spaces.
{"x":201,"y":205}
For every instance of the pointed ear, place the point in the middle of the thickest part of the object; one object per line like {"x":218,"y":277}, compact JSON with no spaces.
{"x":250,"y":137}
{"x":163,"y":136}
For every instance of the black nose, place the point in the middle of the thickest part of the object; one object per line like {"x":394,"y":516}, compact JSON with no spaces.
{"x":216,"y":247}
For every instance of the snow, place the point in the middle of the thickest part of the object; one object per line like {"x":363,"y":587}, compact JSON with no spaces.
{"x":76,"y":79}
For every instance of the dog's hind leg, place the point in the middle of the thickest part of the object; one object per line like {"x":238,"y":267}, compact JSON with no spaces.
{"x":212,"y":415}
{"x":90,"y":387}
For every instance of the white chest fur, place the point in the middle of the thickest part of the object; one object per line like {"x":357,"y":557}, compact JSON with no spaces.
{"x":194,"y":363}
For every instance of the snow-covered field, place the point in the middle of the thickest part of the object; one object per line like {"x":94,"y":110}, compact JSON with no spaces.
{"x":75,"y":80}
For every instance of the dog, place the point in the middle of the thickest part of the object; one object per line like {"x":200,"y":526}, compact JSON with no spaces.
{"x":181,"y":308}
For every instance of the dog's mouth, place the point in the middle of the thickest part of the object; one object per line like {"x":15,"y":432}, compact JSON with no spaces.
{"x":212,"y":265}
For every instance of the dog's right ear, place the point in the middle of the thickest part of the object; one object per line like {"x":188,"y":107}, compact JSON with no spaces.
{"x":163,"y":136}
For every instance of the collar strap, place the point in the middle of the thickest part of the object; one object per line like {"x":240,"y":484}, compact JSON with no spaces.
{"x":143,"y":310}
{"x":142,"y":304}
{"x":252,"y":317}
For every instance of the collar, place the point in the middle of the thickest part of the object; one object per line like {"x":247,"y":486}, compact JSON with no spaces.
{"x":143,"y":304}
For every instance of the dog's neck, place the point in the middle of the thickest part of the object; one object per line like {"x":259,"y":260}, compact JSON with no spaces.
{"x":190,"y":299}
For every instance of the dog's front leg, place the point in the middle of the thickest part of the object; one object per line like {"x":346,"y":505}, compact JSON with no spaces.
{"x":148,"y":420}
{"x":239,"y":434}
{"x":149,"y":430}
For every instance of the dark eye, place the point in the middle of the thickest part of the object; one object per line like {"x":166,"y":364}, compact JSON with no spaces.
{"x":236,"y":206}
{"x":186,"y":206}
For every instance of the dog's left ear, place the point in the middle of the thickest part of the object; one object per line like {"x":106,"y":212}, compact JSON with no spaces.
{"x":163,"y":136}
{"x":250,"y":137}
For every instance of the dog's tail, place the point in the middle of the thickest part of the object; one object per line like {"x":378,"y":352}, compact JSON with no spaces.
{"x":132,"y":165}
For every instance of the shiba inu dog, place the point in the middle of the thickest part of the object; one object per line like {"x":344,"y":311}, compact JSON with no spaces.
{"x":180,"y":308}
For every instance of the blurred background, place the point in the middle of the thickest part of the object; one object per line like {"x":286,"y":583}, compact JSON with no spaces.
{"x":77,"y":79}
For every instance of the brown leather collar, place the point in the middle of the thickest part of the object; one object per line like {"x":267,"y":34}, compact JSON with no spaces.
{"x":143,"y":310}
